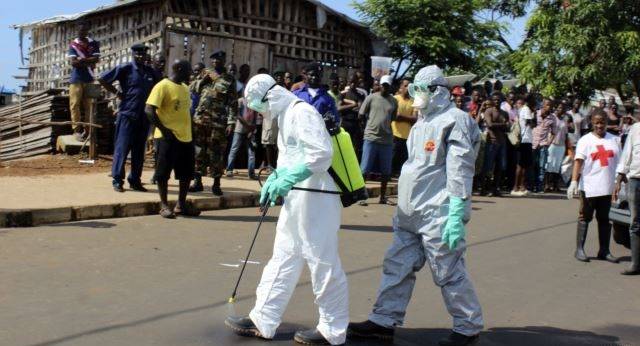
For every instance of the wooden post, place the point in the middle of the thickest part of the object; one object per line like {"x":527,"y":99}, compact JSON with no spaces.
{"x":93,"y":152}
{"x":92,"y":91}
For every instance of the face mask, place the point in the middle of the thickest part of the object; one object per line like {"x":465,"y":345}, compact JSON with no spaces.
{"x":258,"y":106}
{"x":421,"y":100}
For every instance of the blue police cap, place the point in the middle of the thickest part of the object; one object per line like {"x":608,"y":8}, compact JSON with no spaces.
{"x":139,"y":48}
{"x":218,"y":54}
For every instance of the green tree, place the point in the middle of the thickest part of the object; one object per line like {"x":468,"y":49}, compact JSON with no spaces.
{"x":454,"y":34}
{"x":579,"y":46}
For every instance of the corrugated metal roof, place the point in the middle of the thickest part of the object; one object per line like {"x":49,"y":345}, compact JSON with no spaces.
{"x":76,"y":16}
{"x":123,"y":3}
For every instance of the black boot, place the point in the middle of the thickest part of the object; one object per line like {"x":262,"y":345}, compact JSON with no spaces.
{"x":497,"y":183}
{"x":457,"y":339}
{"x":369,"y":330}
{"x":310,"y":337}
{"x":215,"y":189}
{"x":546,"y":185}
{"x":196,"y":184}
{"x":581,"y":238}
{"x":137,"y":186}
{"x":243,"y":326}
{"x":634,"y":268}
{"x":604,"y":237}
{"x":483,"y":184}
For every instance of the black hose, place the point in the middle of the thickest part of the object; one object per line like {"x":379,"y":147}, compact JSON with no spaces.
{"x":265,"y":209}
{"x":298,"y":188}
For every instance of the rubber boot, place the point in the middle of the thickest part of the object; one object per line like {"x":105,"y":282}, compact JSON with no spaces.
{"x":604,"y":237}
{"x":581,"y":238}
{"x":215,"y":189}
{"x":369,"y":330}
{"x":310,"y":337}
{"x":196,"y":184}
{"x":243,"y":326}
{"x":634,"y":268}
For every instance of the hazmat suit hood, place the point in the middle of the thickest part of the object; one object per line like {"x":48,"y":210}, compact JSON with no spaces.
{"x":428,"y":102}
{"x":276,"y":99}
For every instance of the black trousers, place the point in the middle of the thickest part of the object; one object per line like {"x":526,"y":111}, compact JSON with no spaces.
{"x":355,"y":130}
{"x":400,"y":154}
{"x":599,"y":205}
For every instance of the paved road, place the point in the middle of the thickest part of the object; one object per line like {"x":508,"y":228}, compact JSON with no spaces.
{"x":147,"y":281}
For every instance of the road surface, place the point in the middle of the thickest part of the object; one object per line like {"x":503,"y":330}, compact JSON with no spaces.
{"x":149,"y":281}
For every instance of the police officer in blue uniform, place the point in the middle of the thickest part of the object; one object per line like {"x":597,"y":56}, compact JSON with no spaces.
{"x":136,"y":79}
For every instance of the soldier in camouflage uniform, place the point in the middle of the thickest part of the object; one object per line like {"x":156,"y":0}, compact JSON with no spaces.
{"x":214,"y":120}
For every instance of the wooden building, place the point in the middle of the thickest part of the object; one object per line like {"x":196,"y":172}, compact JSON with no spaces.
{"x":276,"y":34}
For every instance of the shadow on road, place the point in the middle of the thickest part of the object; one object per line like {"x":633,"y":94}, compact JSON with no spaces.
{"x":547,"y":196}
{"x":521,"y":336}
{"x":237,"y":218}
{"x":367,"y":228}
{"x":85,"y":224}
{"x":475,"y":201}
{"x":507,"y":336}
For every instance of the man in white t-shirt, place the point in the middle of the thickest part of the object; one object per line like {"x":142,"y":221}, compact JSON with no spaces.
{"x":524,"y":158}
{"x":596,"y":160}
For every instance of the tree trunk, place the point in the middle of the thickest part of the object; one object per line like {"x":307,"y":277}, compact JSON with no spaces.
{"x":623,"y":96}
{"x":636,"y":84}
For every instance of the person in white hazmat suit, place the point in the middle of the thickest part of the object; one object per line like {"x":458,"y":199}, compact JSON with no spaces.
{"x":434,"y":195}
{"x":303,"y":235}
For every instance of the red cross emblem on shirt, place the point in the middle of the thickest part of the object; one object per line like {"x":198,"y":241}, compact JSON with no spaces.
{"x":602,"y":155}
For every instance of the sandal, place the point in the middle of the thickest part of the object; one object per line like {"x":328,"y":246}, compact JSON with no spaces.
{"x":387,"y":202}
{"x":186,"y":211}
{"x":167,"y":213}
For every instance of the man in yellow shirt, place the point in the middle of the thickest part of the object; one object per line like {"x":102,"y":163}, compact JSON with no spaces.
{"x":168,"y":108}
{"x":401,"y":126}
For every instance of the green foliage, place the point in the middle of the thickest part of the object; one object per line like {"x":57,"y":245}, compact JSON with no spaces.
{"x":448,"y":33}
{"x":579,"y":46}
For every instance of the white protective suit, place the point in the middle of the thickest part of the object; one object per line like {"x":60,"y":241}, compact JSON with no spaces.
{"x":307,"y":230}
{"x":442,"y":150}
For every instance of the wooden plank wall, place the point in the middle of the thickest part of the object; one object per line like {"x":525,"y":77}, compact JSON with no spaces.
{"x":287,"y":27}
{"x":116,"y":31}
{"x":263,"y":33}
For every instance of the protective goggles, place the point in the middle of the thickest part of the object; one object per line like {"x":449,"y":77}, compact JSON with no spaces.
{"x":416,"y":88}
{"x":260,"y":105}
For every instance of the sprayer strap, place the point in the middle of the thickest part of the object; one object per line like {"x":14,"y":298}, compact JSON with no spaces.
{"x":316,"y":190}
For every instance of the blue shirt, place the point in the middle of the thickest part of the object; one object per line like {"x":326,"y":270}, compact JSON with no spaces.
{"x":83,"y":74}
{"x":136,"y":83}
{"x":323,"y":102}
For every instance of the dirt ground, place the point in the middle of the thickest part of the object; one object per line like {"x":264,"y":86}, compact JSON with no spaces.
{"x":60,"y":164}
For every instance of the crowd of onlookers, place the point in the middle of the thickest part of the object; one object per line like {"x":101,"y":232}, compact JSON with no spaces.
{"x":528,"y":142}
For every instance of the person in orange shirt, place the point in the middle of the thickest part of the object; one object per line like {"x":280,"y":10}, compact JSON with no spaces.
{"x":401,"y":126}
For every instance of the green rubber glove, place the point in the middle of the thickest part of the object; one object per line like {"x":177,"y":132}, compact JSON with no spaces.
{"x":264,"y":194}
{"x":454,"y":229}
{"x":285,"y":181}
